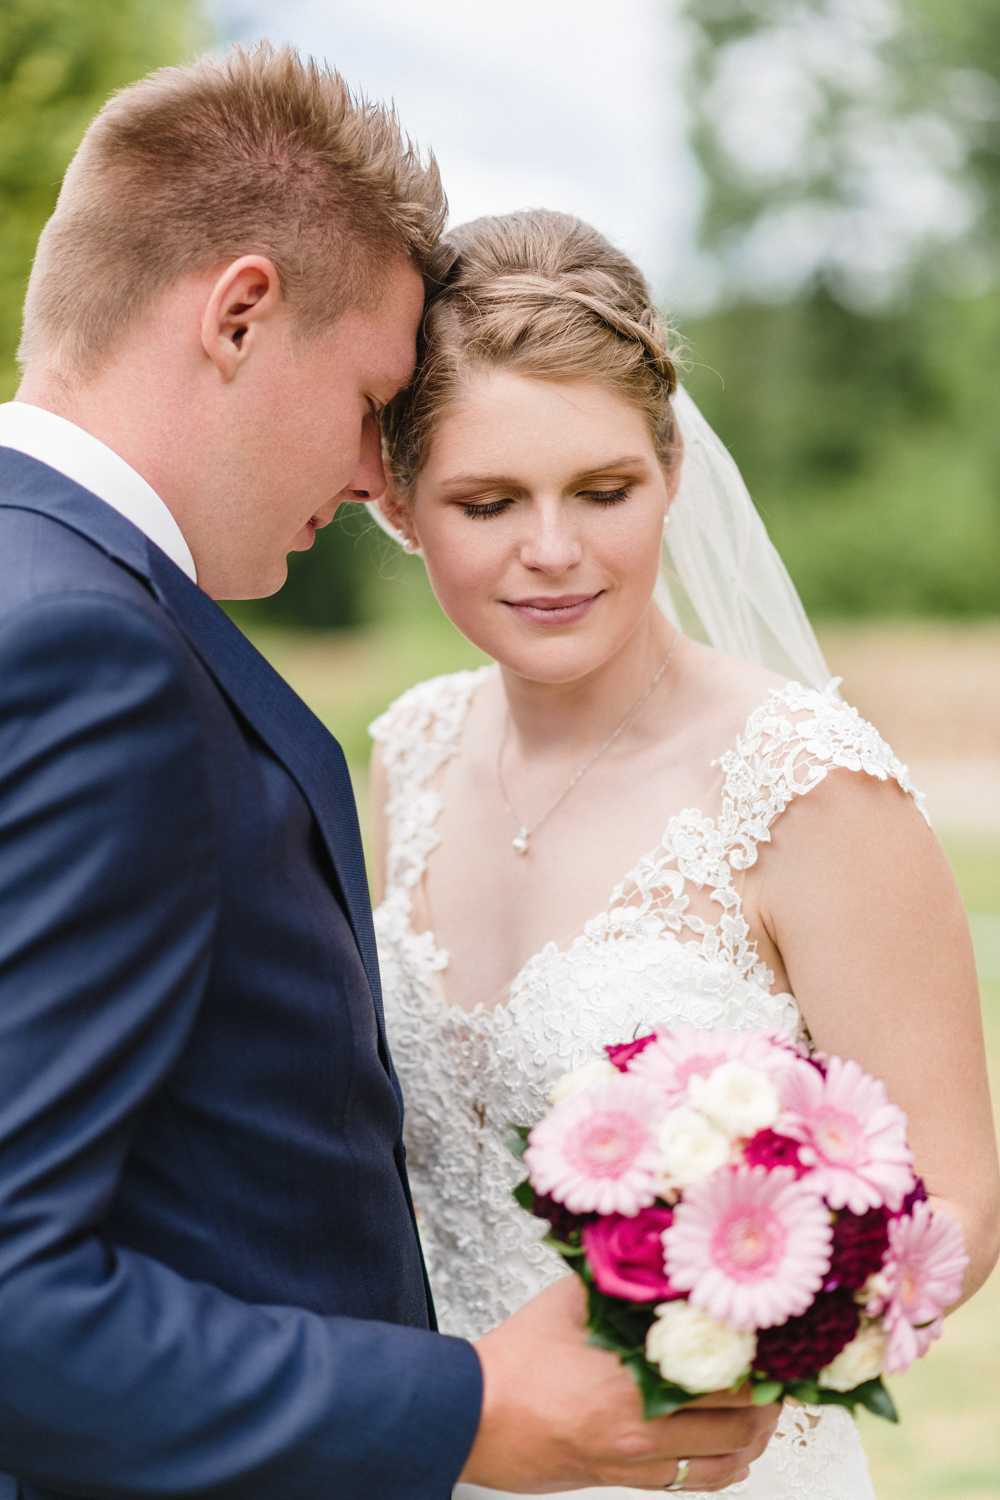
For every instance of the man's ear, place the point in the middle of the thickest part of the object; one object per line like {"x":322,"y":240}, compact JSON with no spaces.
{"x":242,"y":300}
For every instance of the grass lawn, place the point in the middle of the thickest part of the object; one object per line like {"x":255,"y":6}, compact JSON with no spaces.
{"x":948,"y":1440}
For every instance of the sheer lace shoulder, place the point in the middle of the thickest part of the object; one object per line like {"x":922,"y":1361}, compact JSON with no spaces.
{"x":418,"y":733}
{"x":788,"y":747}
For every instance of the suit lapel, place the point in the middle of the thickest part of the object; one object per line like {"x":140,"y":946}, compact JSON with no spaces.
{"x":307,"y":750}
{"x":289,"y":728}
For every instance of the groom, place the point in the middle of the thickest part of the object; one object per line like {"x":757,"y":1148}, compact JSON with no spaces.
{"x":210,"y":1277}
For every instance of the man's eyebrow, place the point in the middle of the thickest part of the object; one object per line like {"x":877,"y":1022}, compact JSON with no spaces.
{"x":504,"y":481}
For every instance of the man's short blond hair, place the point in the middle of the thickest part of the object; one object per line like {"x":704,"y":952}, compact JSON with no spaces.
{"x":256,"y":153}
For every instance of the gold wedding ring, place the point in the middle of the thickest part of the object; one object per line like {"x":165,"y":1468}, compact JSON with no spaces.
{"x":680,"y":1478}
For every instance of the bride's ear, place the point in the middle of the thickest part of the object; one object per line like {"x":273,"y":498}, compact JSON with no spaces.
{"x":396,"y":515}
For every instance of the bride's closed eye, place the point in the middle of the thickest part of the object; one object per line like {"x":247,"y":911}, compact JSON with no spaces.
{"x":608,"y":497}
{"x":491,"y":508}
{"x":598,"y":497}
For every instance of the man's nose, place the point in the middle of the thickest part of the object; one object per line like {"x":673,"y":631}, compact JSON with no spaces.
{"x":368,"y":482}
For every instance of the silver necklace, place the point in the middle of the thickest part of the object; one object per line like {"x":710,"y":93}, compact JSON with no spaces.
{"x":520,"y":841}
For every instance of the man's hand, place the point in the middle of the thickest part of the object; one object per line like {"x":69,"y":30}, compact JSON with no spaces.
{"x":560,"y":1415}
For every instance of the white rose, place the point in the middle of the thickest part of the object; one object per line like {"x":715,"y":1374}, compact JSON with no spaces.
{"x":874,"y":1294}
{"x":691,"y":1148}
{"x":695,"y":1351}
{"x":589,"y":1076}
{"x":858,"y":1361}
{"x":737,"y":1099}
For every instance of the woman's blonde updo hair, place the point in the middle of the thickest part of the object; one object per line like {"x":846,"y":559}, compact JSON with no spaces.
{"x":539,"y":294}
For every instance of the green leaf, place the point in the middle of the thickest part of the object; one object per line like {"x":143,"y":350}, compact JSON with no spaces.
{"x":872,"y":1395}
{"x":624,"y":1324}
{"x":659,"y":1397}
{"x":600,"y":1340}
{"x":517,"y":1143}
{"x":621,"y":1327}
{"x":767,"y":1391}
{"x":806,"y":1391}
{"x":568,"y":1252}
{"x":524,"y":1194}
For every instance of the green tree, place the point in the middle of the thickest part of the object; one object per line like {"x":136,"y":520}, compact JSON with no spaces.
{"x":59,"y":61}
{"x":858,"y":385}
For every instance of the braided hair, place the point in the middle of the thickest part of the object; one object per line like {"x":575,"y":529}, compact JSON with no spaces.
{"x":538,"y":294}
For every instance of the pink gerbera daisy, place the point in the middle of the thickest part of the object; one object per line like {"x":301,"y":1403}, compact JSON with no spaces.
{"x":597,"y":1152}
{"x":923,"y":1271}
{"x":851,"y":1137}
{"x":675,"y":1056}
{"x":749,"y":1246}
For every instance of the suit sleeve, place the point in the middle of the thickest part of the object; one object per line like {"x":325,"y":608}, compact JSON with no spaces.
{"x":118,"y":1378}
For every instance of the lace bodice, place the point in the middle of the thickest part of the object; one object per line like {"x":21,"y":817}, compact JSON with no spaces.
{"x":671,"y":945}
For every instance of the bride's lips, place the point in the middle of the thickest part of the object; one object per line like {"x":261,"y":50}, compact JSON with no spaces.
{"x":553,"y":609}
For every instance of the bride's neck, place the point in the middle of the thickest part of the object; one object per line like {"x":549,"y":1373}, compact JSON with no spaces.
{"x":549,"y":720}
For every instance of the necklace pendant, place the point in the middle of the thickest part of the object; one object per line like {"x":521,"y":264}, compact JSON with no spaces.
{"x":520,"y":843}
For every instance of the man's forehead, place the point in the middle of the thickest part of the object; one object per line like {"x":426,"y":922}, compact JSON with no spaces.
{"x":396,"y":318}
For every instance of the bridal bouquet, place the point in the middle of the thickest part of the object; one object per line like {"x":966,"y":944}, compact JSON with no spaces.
{"x":738,"y":1211}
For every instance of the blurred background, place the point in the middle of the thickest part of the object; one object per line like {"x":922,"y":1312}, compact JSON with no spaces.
{"x":813,"y":189}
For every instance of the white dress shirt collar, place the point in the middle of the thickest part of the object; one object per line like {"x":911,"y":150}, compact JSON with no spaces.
{"x":88,"y":462}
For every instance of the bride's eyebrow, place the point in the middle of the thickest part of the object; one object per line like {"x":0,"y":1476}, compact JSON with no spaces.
{"x":613,"y":467}
{"x":463,"y":482}
{"x":617,"y":467}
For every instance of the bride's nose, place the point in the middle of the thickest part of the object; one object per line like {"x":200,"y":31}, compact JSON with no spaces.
{"x":552,"y":542}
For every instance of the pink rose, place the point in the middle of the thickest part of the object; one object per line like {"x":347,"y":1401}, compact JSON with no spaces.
{"x":626,"y":1255}
{"x":622,"y":1053}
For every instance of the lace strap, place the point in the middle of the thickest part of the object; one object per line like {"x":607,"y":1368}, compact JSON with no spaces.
{"x":789,"y":745}
{"x":418,"y":733}
{"x":779,"y":757}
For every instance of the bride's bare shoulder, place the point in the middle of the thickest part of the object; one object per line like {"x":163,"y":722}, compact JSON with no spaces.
{"x":723,"y":691}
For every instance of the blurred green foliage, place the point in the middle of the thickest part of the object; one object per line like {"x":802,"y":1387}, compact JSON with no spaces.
{"x":870,"y":444}
{"x":59,"y":61}
{"x":869,"y":439}
{"x":338,"y":582}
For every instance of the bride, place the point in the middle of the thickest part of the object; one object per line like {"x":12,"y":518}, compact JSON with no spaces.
{"x":618,"y":824}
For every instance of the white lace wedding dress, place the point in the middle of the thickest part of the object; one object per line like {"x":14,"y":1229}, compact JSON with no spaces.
{"x":648,"y":957}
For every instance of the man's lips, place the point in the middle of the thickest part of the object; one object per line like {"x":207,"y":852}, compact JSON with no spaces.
{"x":553,"y":609}
{"x":316,"y":523}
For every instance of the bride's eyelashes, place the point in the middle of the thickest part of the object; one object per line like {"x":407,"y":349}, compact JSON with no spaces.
{"x":491,"y":508}
{"x":609,"y":497}
{"x":597,"y":497}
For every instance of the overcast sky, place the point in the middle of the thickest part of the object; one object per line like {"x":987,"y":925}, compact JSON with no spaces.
{"x":565,"y":104}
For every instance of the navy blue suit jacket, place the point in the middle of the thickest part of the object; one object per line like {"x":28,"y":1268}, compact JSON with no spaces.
{"x":210,"y":1278}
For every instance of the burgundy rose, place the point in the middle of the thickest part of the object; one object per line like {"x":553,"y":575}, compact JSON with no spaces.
{"x":803,"y":1346}
{"x":626,"y":1255}
{"x":622,"y":1054}
{"x":768,"y":1149}
{"x":918,"y":1194}
{"x":859,"y":1246}
{"x":561,"y":1222}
